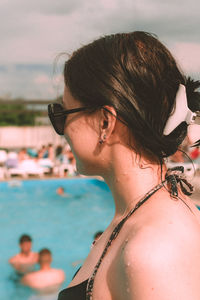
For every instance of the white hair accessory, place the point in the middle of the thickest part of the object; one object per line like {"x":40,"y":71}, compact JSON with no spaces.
{"x":181,"y":112}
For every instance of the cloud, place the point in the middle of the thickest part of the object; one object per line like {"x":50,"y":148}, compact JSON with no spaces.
{"x":188,"y":56}
{"x":45,"y":7}
{"x":36,"y":30}
{"x":28,"y":82}
{"x":42,"y":79}
{"x":33,"y":32}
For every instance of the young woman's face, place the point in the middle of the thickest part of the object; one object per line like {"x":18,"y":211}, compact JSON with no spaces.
{"x":81,"y":132}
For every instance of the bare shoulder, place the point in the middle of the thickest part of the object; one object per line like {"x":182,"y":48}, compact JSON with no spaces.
{"x":162,"y":258}
{"x":59,"y":272}
{"x":162,"y":240}
{"x":165,"y":222}
{"x":62,"y":275}
{"x":27,"y":278}
{"x":14,"y":259}
{"x":173,"y":231}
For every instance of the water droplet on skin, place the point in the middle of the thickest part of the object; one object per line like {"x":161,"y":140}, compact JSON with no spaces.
{"x":126,"y":241}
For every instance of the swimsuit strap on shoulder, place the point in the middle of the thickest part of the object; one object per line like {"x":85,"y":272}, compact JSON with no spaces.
{"x":174,"y":176}
{"x":113,"y":236}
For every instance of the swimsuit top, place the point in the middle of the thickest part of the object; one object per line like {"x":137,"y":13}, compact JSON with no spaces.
{"x":83,"y":291}
{"x":77,"y":292}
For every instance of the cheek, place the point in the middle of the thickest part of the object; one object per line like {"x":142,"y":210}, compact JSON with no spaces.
{"x":83,"y":141}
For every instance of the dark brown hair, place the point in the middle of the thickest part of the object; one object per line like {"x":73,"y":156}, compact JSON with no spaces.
{"x":25,"y":238}
{"x":45,"y":256}
{"x":136,"y":74}
{"x":44,"y":251}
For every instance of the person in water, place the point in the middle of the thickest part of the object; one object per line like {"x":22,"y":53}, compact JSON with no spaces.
{"x":97,"y":235}
{"x":47,"y":279}
{"x":60,"y":191}
{"x":26,"y":259}
{"x":126,"y":108}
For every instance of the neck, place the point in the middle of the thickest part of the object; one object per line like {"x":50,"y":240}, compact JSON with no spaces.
{"x":45,"y":267}
{"x":25,"y":253}
{"x":129,"y":179}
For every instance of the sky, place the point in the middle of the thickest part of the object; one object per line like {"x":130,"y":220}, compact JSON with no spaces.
{"x":34,"y":32}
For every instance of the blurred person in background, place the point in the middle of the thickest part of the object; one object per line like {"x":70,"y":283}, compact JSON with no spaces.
{"x":61,"y":192}
{"x":26,"y":259}
{"x":50,"y":152}
{"x":23,"y":154}
{"x":42,"y":152}
{"x":47,"y":279}
{"x":97,"y":235}
{"x":12,"y":160}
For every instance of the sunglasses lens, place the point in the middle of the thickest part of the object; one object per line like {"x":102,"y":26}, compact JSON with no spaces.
{"x":58,"y":122}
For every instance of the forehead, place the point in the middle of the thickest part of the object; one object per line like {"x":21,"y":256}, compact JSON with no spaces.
{"x":25,"y":243}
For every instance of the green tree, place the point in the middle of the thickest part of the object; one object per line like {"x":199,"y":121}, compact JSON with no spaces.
{"x":16,"y":114}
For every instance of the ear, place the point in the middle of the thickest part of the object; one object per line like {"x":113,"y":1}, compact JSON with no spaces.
{"x":107,"y":121}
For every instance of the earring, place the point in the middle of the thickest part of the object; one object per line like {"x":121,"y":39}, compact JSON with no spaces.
{"x":102,"y":140}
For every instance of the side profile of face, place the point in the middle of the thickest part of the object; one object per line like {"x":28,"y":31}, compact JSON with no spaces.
{"x":26,"y":247}
{"x":82,"y":133}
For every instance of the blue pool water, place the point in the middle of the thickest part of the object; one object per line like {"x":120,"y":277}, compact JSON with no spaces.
{"x":65,"y":225}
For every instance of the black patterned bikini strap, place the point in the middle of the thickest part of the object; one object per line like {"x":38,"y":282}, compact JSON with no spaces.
{"x":174,"y":176}
{"x":113,"y":236}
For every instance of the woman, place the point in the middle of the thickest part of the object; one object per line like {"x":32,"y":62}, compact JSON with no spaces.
{"x":125,"y":109}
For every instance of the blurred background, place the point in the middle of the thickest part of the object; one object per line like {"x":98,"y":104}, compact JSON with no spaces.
{"x":33,"y":33}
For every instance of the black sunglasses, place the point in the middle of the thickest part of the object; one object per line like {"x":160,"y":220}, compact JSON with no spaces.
{"x":58,"y":115}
